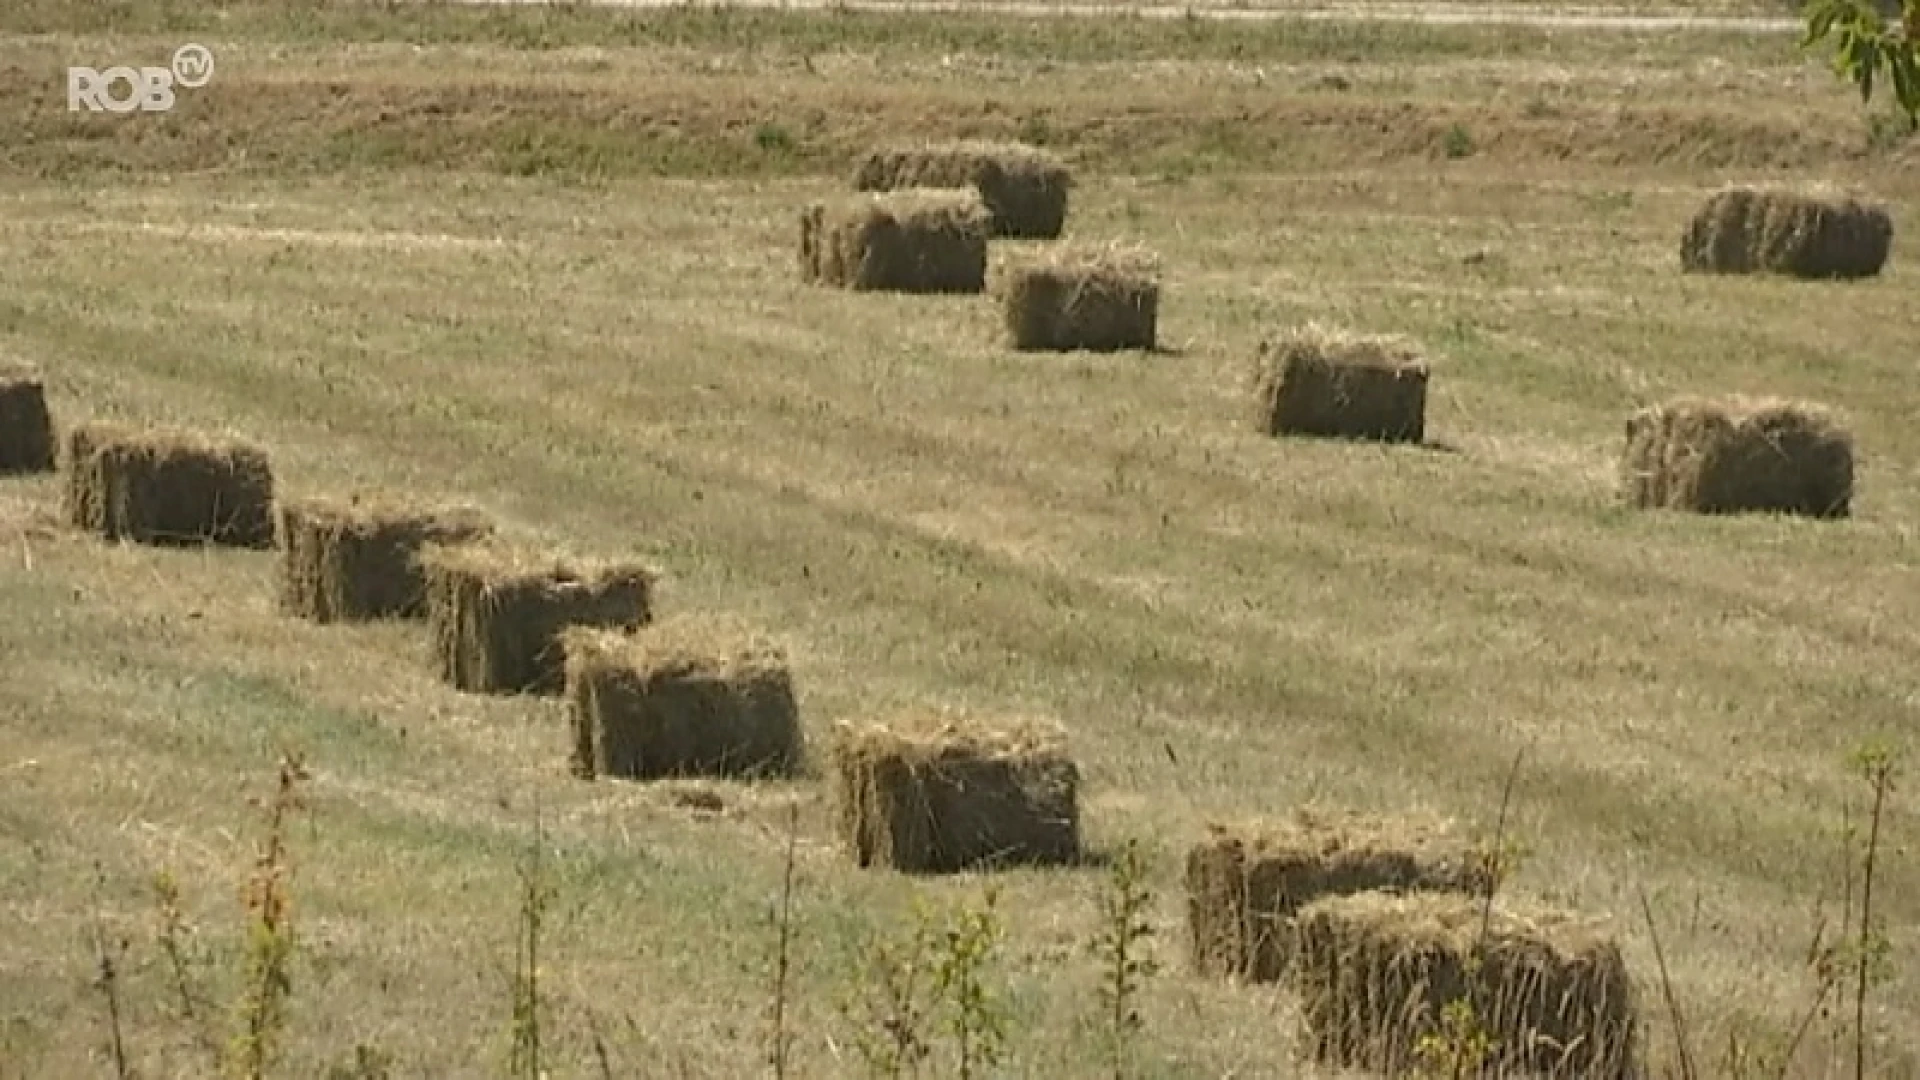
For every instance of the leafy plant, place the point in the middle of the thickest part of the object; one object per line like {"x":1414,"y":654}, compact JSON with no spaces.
{"x":1866,"y":49}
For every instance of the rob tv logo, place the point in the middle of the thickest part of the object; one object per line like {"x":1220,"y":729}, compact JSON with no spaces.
{"x":146,"y":89}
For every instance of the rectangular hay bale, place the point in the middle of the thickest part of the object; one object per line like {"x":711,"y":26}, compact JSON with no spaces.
{"x":1314,"y":380}
{"x":1375,"y":971}
{"x":682,"y":697}
{"x":1737,"y":455}
{"x":905,"y":241}
{"x":1024,"y":188}
{"x":1804,"y":234}
{"x":169,"y":487}
{"x":1246,"y":880}
{"x":26,"y":427}
{"x":495,"y":613}
{"x":356,"y":561}
{"x":1083,"y":299}
{"x":940,"y":793}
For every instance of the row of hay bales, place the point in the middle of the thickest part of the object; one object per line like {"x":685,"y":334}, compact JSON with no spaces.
{"x":927,"y":214}
{"x":1375,"y":922}
{"x":920,"y":221}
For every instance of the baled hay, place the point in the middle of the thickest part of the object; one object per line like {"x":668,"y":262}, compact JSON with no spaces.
{"x":1313,"y":380}
{"x":904,"y":241}
{"x":166,"y":487}
{"x":1375,"y":970}
{"x":495,"y":613}
{"x":1738,"y":455}
{"x":342,"y":562}
{"x":1023,"y":188}
{"x":1099,"y":300}
{"x":1745,"y":230}
{"x":938,"y":793}
{"x":26,"y":428}
{"x":1246,"y":880}
{"x":682,"y":697}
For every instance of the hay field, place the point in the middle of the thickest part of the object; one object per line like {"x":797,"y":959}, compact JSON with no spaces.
{"x":542,"y":263}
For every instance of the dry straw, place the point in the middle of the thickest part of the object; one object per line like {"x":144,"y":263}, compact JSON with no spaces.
{"x":1023,"y":188}
{"x":1100,"y":299}
{"x":1743,"y":230}
{"x":167,"y":487}
{"x":495,"y":613}
{"x":682,"y":697}
{"x":26,"y":428}
{"x":1738,"y":455}
{"x":1316,"y":380}
{"x":1246,"y":880}
{"x":342,"y":562}
{"x":904,"y":241}
{"x":938,"y":792}
{"x":1375,"y":971}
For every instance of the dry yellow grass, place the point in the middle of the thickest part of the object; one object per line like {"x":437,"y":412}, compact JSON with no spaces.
{"x":624,"y":361}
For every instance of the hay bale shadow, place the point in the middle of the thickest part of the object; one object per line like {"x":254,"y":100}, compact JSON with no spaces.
{"x":679,"y":698}
{"x":496,"y":613}
{"x":26,"y":426}
{"x":912,"y":241}
{"x":1023,"y":188}
{"x":1738,"y":455}
{"x":935,"y":793}
{"x":1246,"y":880}
{"x":168,"y":488}
{"x":1323,"y":382}
{"x":358,"y":561}
{"x":1376,"y":970}
{"x":1744,"y":230}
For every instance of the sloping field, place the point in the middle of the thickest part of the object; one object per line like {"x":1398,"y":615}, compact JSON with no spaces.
{"x":545,"y":263}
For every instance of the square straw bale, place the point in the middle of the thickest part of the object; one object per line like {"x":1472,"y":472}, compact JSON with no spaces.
{"x":1329,"y":382}
{"x":1083,"y":298}
{"x":495,"y":612}
{"x":1736,"y":455}
{"x":1375,"y":971}
{"x":1245,"y":880}
{"x":934,"y":792}
{"x":908,"y":241}
{"x":26,"y":427}
{"x":1024,"y":188}
{"x":683,"y":697}
{"x":169,"y":487}
{"x":1803,"y":234}
{"x":356,"y":561}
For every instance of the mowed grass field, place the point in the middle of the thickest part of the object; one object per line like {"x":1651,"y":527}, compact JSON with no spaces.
{"x":545,"y":262}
